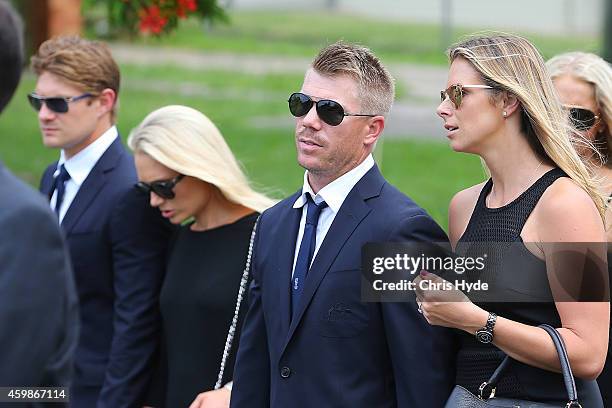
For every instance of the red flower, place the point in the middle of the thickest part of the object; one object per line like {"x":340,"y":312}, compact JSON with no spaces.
{"x":190,"y":4}
{"x":151,"y":20}
{"x":185,"y":6}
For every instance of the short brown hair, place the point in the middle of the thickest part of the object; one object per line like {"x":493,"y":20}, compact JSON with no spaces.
{"x":375,"y":85}
{"x":85,"y":64}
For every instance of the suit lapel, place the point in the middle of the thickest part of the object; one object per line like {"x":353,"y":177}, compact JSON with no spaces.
{"x":46,"y":183}
{"x":92,"y":185}
{"x":289,"y":223}
{"x":353,"y":211}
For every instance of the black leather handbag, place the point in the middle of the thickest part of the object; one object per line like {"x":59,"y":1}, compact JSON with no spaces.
{"x":462,"y":398}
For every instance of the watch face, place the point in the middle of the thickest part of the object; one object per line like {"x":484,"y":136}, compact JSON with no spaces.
{"x":484,"y":336}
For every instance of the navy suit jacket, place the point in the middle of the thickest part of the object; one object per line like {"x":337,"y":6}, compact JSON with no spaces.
{"x":38,"y":302}
{"x":378,"y":354}
{"x":118,"y":245}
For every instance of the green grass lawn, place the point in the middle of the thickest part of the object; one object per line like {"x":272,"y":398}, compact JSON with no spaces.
{"x":303,"y":34}
{"x":428,"y":171}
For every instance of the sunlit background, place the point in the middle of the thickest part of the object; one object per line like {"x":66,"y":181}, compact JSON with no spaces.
{"x":241,"y":72}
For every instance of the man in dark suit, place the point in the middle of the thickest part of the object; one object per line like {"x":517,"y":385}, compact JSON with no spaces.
{"x":116,"y":240}
{"x":308,"y":339}
{"x":38,"y":303}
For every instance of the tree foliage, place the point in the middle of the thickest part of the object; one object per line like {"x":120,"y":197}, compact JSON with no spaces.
{"x":156,"y":17}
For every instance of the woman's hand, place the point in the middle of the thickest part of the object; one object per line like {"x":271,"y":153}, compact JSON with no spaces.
{"x":448,"y":307}
{"x":212,"y":399}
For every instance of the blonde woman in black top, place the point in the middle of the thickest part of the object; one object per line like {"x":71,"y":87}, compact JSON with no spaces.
{"x":193,"y":178}
{"x":584,"y":84}
{"x":500,"y":104}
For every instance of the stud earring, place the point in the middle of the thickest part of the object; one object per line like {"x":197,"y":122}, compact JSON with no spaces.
{"x":505,"y":114}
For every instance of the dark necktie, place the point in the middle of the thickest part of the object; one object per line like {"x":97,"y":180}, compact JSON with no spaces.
{"x":307,"y":247}
{"x":59,"y":182}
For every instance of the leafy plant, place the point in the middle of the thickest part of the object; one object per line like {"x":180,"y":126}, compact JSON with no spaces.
{"x":157,"y":17}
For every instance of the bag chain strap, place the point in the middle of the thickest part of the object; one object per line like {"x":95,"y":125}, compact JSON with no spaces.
{"x":241,"y":290}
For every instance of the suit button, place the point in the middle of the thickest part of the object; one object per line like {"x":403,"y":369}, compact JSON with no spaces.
{"x":285,"y":372}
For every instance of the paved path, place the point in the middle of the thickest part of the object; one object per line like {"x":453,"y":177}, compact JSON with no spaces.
{"x":540,"y":16}
{"x":414,"y":115}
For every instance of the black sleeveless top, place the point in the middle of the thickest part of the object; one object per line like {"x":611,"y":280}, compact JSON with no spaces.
{"x":526,"y":283}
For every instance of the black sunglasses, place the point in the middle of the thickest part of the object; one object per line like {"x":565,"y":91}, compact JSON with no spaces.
{"x":163,"y":188}
{"x":57,"y":104}
{"x":330,"y":112}
{"x":581,"y":118}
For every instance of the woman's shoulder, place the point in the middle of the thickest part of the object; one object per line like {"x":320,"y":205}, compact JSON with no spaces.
{"x":460,"y":210}
{"x":468,"y":196}
{"x":566,"y":196}
{"x":567,"y":212}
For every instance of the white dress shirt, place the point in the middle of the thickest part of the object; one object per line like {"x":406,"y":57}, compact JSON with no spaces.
{"x":334,"y":195}
{"x":79,"y":166}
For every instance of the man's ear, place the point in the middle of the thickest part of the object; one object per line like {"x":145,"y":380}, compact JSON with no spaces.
{"x":107,"y":99}
{"x":374,"y":129}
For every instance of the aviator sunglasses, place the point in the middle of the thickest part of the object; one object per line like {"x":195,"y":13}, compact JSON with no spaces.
{"x":455,"y":93}
{"x":57,"y":104}
{"x":581,"y":118}
{"x":330,"y":112}
{"x":163,"y":188}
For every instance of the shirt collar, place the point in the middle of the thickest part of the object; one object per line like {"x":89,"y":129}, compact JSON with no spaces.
{"x":335,"y":192}
{"x":79,"y":166}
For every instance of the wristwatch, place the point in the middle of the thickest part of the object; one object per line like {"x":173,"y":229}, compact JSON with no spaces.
{"x":485,"y":334}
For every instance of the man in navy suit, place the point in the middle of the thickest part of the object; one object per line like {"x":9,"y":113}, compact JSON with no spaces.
{"x":38,"y":303}
{"x":116,"y":240}
{"x":308,"y":339}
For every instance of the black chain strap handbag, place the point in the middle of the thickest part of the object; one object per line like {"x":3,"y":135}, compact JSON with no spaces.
{"x":462,"y":398}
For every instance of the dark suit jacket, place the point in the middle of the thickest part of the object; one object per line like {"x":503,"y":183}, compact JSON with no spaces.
{"x":378,"y":354}
{"x":118,"y":247}
{"x":38,"y":302}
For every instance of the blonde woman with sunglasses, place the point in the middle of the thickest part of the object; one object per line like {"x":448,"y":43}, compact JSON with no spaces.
{"x":500,"y":104}
{"x":584,"y":84}
{"x":192,"y":177}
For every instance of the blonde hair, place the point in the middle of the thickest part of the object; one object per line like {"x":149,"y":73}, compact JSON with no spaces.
{"x":88,"y":65}
{"x":375,"y":85}
{"x":511,"y":63}
{"x":186,"y":141}
{"x":596,"y":71}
